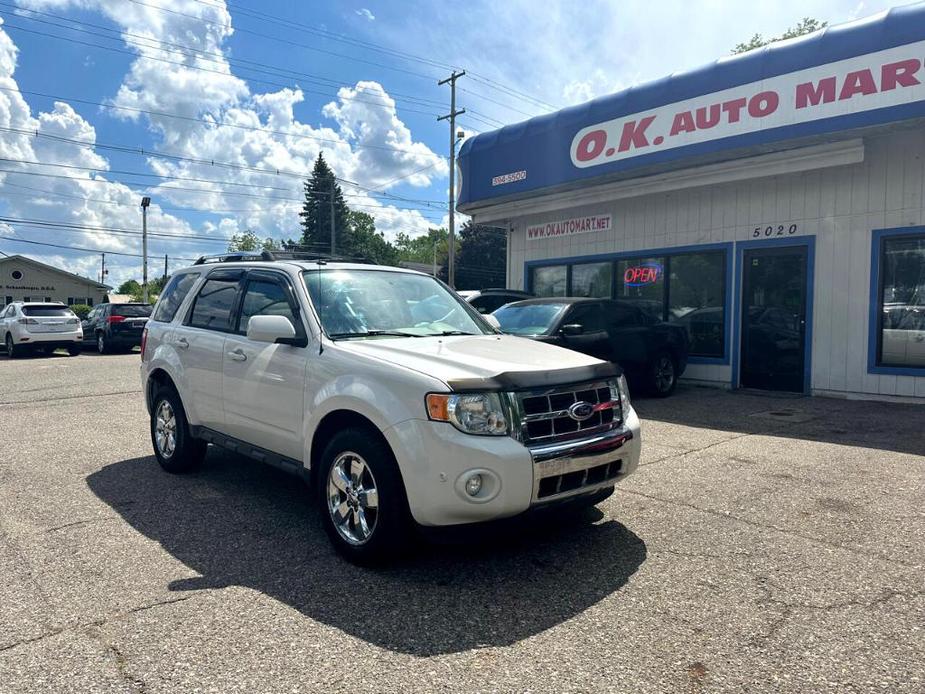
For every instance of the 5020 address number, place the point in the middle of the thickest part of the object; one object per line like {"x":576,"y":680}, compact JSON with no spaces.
{"x":771,"y":230}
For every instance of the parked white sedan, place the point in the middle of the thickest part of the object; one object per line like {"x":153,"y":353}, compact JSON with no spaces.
{"x":46,"y":326}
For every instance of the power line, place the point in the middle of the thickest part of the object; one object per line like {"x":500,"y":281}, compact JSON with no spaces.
{"x":94,"y":251}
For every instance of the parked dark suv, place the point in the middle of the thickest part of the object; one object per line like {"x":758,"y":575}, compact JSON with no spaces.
{"x":113,"y":327}
{"x":651,"y":352}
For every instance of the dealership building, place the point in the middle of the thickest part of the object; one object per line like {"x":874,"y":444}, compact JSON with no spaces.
{"x":773,"y":203}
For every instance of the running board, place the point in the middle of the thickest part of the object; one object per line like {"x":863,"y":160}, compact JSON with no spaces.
{"x":261,"y":455}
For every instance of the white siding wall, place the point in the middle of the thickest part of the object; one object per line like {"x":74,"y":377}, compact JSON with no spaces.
{"x":839,"y":206}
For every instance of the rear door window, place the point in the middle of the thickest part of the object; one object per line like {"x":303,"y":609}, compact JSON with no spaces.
{"x":214,"y":304}
{"x":173,"y":295}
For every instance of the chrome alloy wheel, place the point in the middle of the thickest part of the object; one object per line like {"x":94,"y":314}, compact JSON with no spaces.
{"x":664,"y":374}
{"x":353,"y":500}
{"x":165,"y":429}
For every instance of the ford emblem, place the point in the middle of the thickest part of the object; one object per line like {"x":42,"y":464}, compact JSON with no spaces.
{"x":580,"y":411}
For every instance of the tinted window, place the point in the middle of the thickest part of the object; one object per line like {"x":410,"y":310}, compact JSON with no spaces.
{"x":173,"y":295}
{"x":902,"y":301}
{"x":528,"y":319}
{"x":642,"y":282}
{"x":588,"y":316}
{"x":52,"y":311}
{"x":492,"y":302}
{"x":696,"y":289}
{"x":592,"y":280}
{"x":265,"y":298}
{"x":621,"y":316}
{"x":131,"y":311}
{"x":550,"y":281}
{"x":212,"y":308}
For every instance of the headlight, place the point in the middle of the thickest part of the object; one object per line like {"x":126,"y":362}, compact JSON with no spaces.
{"x":619,"y":390}
{"x":471,"y":413}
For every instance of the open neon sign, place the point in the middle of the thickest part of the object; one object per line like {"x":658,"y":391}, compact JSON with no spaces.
{"x":642,"y":274}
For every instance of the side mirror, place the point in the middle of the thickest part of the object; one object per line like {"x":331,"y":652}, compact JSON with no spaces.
{"x":270,"y":329}
{"x":492,"y":321}
{"x":571,"y":330}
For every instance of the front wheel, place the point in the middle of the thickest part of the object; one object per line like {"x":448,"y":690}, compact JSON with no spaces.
{"x":362,"y":498}
{"x":175,"y":448}
{"x":11,"y":350}
{"x":663,"y":375}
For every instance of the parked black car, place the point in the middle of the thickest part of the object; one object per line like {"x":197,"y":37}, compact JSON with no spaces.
{"x":113,"y":327}
{"x":651,"y":352}
{"x":490,"y":300}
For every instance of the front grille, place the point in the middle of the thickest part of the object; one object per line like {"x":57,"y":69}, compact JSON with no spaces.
{"x":545,"y":415}
{"x":571,"y":481}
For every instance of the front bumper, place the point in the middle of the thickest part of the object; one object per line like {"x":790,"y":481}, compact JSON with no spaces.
{"x":435,"y":460}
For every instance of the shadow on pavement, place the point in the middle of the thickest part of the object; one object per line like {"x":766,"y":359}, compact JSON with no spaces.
{"x":888,"y":426}
{"x":236,"y":522}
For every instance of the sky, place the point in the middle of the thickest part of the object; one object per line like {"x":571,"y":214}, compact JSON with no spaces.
{"x":217,"y":110}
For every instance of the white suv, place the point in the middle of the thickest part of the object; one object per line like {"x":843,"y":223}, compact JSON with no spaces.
{"x":27,"y":326}
{"x":396,"y":399}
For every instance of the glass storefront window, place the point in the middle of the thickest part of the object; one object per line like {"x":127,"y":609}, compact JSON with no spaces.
{"x":550,"y":281}
{"x":696,"y":289}
{"x":642,"y":282}
{"x":592,"y":279}
{"x":902,"y":302}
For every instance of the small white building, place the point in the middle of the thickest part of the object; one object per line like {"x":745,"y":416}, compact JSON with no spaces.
{"x":24,"y":279}
{"x":772,"y":202}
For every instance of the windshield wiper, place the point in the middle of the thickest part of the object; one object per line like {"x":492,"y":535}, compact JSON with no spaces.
{"x":375,"y":333}
{"x":447,"y":333}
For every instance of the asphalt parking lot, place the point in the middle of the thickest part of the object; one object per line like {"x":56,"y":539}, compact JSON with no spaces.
{"x":765,"y":545}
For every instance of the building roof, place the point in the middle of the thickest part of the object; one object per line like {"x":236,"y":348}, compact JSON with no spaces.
{"x":52,"y":268}
{"x":816,"y":87}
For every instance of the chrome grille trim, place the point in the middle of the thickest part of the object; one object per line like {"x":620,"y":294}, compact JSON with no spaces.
{"x":541,"y":416}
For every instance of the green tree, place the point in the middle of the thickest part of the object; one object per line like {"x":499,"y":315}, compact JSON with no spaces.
{"x":481,"y":257}
{"x":316,"y":211}
{"x":420,"y":249}
{"x":247,"y":240}
{"x":804,"y":26}
{"x":362,"y":241}
{"x":129,"y":287}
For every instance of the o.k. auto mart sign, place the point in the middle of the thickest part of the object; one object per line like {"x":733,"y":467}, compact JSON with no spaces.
{"x":568,"y":227}
{"x":887,"y":78}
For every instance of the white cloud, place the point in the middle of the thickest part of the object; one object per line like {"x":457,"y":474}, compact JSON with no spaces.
{"x":366,"y":14}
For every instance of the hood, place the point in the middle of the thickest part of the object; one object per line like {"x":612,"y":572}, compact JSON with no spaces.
{"x":488,"y":361}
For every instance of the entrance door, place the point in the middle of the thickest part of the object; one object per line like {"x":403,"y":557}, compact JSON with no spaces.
{"x":774,"y":318}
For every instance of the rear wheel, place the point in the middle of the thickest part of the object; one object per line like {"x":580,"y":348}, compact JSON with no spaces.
{"x":663,"y":375}
{"x":74,"y":350}
{"x":363,"y":504}
{"x":175,"y":448}
{"x":102,"y":346}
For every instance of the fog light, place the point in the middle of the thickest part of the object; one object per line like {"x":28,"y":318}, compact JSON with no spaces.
{"x":474,"y":485}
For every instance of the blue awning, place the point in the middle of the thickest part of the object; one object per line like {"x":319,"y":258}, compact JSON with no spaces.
{"x":856,"y":75}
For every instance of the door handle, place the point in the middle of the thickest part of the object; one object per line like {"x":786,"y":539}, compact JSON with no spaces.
{"x":237,"y":354}
{"x":182,"y":343}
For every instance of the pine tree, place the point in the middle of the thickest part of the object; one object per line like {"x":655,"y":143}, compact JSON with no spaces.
{"x":316,"y":211}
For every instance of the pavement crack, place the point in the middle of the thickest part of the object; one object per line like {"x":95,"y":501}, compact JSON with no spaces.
{"x":729,"y":516}
{"x":695,"y":450}
{"x":76,"y":523}
{"x":119,"y":659}
{"x":68,"y":397}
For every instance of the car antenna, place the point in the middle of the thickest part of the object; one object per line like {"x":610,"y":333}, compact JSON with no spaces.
{"x":320,"y":262}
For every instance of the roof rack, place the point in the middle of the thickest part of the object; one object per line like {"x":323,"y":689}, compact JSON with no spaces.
{"x":265,"y":256}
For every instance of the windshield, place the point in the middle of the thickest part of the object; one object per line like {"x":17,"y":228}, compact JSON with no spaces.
{"x":132,"y":310}
{"x":49,"y":310}
{"x":379,"y":303}
{"x":527,"y":319}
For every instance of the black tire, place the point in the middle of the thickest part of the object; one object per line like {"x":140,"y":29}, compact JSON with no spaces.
{"x":102,"y":346}
{"x":390,"y":529}
{"x":12,"y":351}
{"x":186,"y":453}
{"x":74,"y":350}
{"x":663,"y":375}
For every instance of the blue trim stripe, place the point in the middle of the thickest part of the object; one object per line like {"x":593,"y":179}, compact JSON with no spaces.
{"x":873,"y":322}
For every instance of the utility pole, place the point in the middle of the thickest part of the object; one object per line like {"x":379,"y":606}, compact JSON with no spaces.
{"x":331,"y":200}
{"x":451,"y":116}
{"x":102,"y":268}
{"x":144,"y":248}
{"x":165,"y":268}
